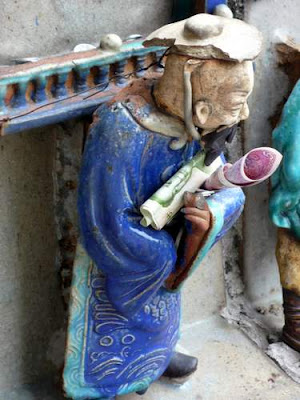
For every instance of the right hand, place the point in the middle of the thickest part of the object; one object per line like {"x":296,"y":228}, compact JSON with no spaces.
{"x":196,"y":211}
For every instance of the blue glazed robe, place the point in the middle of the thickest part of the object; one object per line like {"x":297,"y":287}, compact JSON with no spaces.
{"x":131,"y":320}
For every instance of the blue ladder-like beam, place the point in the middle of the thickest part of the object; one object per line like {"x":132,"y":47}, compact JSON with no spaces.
{"x":56,"y":89}
{"x":59,"y":88}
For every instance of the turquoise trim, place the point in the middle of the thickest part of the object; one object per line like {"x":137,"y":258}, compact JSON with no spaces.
{"x":74,"y":386}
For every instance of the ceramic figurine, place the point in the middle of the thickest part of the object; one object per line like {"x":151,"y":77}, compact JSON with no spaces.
{"x":125,"y":303}
{"x":285,"y":213}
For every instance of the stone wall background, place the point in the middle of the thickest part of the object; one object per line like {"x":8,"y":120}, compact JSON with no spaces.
{"x":30,"y":297}
{"x":39,"y":28}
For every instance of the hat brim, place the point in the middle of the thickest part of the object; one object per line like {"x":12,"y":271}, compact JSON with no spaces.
{"x":238,"y":40}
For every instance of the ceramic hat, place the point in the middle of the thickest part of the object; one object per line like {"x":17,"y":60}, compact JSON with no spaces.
{"x":207,"y":36}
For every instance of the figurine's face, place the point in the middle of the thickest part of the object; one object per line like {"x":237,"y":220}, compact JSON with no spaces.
{"x":220,"y":93}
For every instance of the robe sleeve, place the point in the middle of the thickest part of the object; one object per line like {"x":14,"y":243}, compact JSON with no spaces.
{"x":135,"y":260}
{"x":226,"y":206}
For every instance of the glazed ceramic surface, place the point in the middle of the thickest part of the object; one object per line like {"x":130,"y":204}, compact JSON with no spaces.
{"x":285,"y":198}
{"x":129,"y":324}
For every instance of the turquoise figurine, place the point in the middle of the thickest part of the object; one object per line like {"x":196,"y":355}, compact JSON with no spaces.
{"x":125,"y":300}
{"x":285,"y":198}
{"x":285,"y":214}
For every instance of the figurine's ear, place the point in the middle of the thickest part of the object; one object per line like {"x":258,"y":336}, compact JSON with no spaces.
{"x":202,"y":111}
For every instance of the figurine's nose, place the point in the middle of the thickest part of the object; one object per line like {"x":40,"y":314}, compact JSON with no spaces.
{"x":244,"y":112}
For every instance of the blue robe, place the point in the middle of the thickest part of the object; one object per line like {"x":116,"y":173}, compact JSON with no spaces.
{"x":131,"y":323}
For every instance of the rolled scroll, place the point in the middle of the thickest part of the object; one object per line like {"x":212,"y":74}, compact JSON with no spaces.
{"x":255,"y":167}
{"x":164,"y":204}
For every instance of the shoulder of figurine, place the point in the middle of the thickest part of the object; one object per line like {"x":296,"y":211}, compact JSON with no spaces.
{"x":120,"y":119}
{"x":138,"y":92}
{"x":135,"y":101}
{"x":135,"y":105}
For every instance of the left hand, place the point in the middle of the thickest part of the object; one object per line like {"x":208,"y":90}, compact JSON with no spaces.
{"x":197,"y":212}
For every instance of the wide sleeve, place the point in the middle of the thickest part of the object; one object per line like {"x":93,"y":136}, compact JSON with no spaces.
{"x":135,"y":260}
{"x":226,"y":206}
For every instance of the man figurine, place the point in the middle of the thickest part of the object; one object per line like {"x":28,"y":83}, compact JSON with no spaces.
{"x":125,"y":308}
{"x":285,"y":213}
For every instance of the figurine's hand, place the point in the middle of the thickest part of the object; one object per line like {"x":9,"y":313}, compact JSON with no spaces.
{"x":197,"y":212}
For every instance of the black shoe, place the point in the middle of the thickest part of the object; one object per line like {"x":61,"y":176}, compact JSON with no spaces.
{"x":141,"y":392}
{"x":180,"y":368}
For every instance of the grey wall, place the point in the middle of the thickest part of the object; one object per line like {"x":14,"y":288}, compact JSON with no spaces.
{"x":38,"y":233}
{"x":39,"y":28}
{"x":30,"y":297}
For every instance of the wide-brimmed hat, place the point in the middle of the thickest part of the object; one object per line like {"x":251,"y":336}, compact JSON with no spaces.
{"x":208,"y":36}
